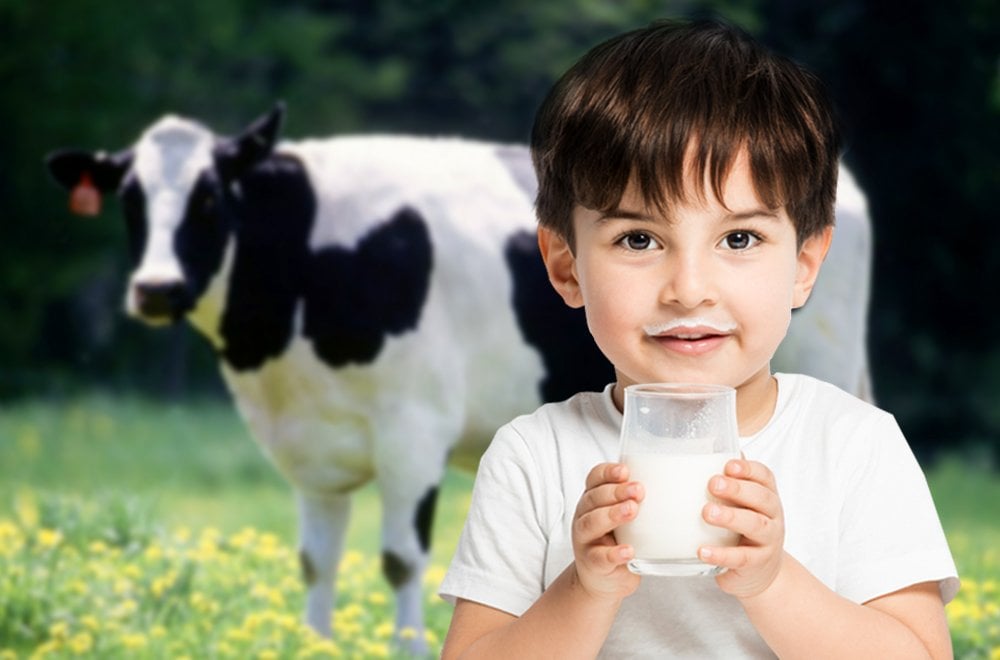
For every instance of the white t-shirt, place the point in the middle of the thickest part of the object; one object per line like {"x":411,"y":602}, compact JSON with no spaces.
{"x":858,"y":515}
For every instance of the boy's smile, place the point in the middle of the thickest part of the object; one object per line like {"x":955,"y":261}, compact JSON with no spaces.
{"x":701,"y":293}
{"x":690,"y":336}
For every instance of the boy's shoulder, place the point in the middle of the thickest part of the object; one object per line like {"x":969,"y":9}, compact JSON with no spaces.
{"x":814,"y":391}
{"x":583,"y":408}
{"x":583,"y":415}
{"x":822,"y":404}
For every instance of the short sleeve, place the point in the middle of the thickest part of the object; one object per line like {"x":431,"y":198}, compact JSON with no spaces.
{"x":499,"y":560}
{"x":890,"y":533}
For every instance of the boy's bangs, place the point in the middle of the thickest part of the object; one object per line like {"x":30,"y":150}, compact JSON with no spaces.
{"x":686,"y":158}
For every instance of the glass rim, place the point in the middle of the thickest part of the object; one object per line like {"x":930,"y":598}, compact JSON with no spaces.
{"x":678,"y":389}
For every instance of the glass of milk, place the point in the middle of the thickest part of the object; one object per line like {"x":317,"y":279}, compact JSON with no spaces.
{"x":674,"y":438}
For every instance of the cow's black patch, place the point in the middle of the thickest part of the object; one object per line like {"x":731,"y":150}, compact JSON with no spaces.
{"x":272,"y":219}
{"x":355,"y":298}
{"x":395,"y":570}
{"x":133,"y":201}
{"x":309,"y":576}
{"x":424,"y":518}
{"x":572,"y":360}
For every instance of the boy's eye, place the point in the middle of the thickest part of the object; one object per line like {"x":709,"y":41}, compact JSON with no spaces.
{"x":740,"y":240}
{"x":638,"y":241}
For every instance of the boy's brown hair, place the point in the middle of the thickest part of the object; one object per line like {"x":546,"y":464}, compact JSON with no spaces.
{"x":632,"y":106}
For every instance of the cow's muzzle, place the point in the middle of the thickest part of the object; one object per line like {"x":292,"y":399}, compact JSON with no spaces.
{"x":161,"y":301}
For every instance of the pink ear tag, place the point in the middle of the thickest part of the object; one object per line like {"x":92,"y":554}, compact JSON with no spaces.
{"x":85,"y":199}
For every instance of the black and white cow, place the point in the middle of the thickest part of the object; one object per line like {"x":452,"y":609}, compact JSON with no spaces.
{"x":378,"y":307}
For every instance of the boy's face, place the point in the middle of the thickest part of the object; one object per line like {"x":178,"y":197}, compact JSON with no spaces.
{"x":703,"y":296}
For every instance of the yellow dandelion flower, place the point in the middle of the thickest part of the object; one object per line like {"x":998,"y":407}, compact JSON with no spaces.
{"x":90,"y":622}
{"x":431,"y":637}
{"x":49,"y":538}
{"x":434,"y":576}
{"x":378,"y":598}
{"x":132,"y":571}
{"x":267,"y":654}
{"x":375,"y":649}
{"x":384,"y":630}
{"x":133,"y":641}
{"x":59,"y":630}
{"x":161,"y":584}
{"x":153,"y":553}
{"x":81,"y":643}
{"x":158,"y":632}
{"x":182,"y":535}
{"x":351,"y":611}
{"x":126,"y":608}
{"x":43,"y":649}
{"x":26,"y":509}
{"x":7,"y":654}
{"x":122,"y":586}
{"x":351,"y":559}
{"x":97,"y":547}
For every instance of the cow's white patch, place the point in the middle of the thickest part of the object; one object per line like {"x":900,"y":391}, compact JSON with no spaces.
{"x":169,"y":157}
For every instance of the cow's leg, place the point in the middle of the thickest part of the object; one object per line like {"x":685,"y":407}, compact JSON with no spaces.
{"x":408,"y":512}
{"x":322,"y":528}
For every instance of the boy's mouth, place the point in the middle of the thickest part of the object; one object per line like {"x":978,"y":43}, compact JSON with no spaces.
{"x":690,"y":336}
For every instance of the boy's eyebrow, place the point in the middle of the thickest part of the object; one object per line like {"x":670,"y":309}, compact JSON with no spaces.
{"x":623,"y":214}
{"x":748,"y":214}
{"x":766,"y":213}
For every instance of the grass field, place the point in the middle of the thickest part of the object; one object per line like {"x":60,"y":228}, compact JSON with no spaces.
{"x":134,"y":529}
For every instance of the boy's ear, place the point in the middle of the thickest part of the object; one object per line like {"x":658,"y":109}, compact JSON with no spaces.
{"x":811,"y":256}
{"x":561,"y":266}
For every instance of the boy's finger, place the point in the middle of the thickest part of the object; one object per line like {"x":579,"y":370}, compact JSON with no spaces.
{"x":757,"y":528}
{"x":608,"y":495}
{"x":746,"y":494}
{"x":606,"y":473}
{"x":600,"y":522}
{"x":751,"y":471}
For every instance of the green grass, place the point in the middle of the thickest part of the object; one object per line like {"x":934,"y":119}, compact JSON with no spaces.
{"x":165,"y":522}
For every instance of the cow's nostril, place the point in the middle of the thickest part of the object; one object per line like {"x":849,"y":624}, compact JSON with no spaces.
{"x":158,"y":299}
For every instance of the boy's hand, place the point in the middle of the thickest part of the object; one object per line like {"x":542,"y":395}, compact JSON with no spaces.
{"x":609,"y":500}
{"x":750,"y":507}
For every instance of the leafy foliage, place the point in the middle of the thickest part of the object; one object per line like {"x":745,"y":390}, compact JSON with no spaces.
{"x":918,"y":90}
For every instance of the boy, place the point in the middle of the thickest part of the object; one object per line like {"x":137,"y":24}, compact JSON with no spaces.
{"x":686,"y":188}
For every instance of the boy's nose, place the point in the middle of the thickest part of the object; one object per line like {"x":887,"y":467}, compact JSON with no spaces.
{"x":689,"y":282}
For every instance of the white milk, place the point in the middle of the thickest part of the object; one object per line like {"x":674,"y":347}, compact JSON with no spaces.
{"x":669,"y":524}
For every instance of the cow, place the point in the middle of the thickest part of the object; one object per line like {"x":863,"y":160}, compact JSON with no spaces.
{"x":379,"y":307}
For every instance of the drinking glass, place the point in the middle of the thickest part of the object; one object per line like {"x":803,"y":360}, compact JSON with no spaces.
{"x":674,"y":438}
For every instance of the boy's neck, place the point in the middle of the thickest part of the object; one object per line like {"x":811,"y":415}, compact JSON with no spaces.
{"x":755,"y":403}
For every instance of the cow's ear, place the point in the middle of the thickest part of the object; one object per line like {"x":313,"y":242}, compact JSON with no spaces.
{"x":87,"y":175}
{"x":237,"y":155}
{"x":68,"y":167}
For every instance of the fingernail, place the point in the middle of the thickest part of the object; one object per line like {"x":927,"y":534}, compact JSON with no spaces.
{"x":626,"y":508}
{"x":735,"y":467}
{"x":714,"y":511}
{"x":719,"y":484}
{"x":705,"y":553}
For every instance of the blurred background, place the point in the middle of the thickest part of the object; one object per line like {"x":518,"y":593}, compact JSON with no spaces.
{"x":119,"y":447}
{"x":917,"y":86}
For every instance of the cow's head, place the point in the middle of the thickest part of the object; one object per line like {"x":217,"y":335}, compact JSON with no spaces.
{"x":179,"y":186}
